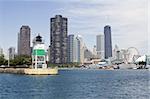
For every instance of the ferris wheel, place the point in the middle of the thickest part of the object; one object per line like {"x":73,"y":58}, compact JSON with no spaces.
{"x":131,"y":53}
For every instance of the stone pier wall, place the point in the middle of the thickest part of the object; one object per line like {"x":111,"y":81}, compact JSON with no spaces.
{"x":48,"y":71}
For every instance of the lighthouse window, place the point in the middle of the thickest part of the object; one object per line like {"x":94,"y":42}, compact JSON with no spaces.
{"x":40,"y":58}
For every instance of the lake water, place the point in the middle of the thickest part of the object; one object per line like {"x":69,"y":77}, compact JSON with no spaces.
{"x":78,"y":84}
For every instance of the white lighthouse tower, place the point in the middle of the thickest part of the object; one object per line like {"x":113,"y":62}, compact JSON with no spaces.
{"x":39,"y":66}
{"x":38,"y":53}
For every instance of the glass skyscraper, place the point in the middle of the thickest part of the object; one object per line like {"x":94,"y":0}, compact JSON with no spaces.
{"x":70,"y":48}
{"x":108,"y":42}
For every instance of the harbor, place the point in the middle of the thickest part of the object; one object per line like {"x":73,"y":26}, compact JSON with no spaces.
{"x":77,"y":84}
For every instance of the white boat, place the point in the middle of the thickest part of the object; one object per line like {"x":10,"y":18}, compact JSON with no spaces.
{"x":134,"y":68}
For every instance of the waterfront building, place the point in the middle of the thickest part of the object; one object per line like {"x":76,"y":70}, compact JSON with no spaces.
{"x":73,"y":49}
{"x":82,"y":48}
{"x":70,"y":48}
{"x":88,"y":55}
{"x":132,"y":52}
{"x":58,"y":41}
{"x":94,"y":52}
{"x":24,"y":41}
{"x":100,"y":46}
{"x":108,"y":42}
{"x":148,"y":59}
{"x":116,"y":52}
{"x":11,"y":52}
{"x":48,"y":53}
{"x":124,"y":55}
{"x":77,"y":51}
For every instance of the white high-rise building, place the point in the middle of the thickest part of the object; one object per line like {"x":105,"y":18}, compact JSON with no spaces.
{"x":100,"y":46}
{"x":82,"y":48}
{"x":73,"y":54}
{"x":75,"y":49}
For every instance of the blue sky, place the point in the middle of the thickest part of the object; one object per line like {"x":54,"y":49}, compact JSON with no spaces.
{"x":128,"y":19}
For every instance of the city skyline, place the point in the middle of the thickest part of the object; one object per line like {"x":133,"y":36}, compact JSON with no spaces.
{"x":87,"y":23}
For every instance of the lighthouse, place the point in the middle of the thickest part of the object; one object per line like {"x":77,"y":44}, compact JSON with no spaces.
{"x":38,"y":53}
{"x":39,"y":57}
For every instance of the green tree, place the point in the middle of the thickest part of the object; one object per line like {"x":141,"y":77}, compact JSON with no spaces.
{"x":21,"y":60}
{"x":3,"y":61}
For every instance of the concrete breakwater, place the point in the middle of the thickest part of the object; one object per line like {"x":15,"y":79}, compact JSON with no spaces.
{"x":12,"y":70}
{"x":28,"y":71}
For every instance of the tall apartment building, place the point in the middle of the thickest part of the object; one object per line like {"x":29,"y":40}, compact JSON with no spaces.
{"x":24,"y":41}
{"x":58,"y":41}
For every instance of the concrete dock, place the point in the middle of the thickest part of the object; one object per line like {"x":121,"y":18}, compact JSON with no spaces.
{"x":47,"y":71}
{"x":28,"y":71}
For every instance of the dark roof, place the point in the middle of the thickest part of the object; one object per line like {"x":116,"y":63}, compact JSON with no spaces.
{"x":38,"y":38}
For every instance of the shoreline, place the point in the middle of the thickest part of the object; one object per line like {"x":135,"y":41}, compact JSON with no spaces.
{"x":48,"y":71}
{"x":29,"y":71}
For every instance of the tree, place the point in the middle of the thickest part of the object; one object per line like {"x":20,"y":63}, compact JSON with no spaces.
{"x":21,"y":60}
{"x":3,"y":61}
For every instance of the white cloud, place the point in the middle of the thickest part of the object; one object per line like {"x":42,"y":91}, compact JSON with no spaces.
{"x":128,"y":19}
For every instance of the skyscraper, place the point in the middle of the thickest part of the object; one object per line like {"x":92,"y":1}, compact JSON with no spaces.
{"x":58,"y":41}
{"x":70,"y":48}
{"x":73,"y":49}
{"x":100,"y":46}
{"x":77,"y":50}
{"x":12,"y":53}
{"x":108,"y":42}
{"x":82,"y":48}
{"x":24,"y":41}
